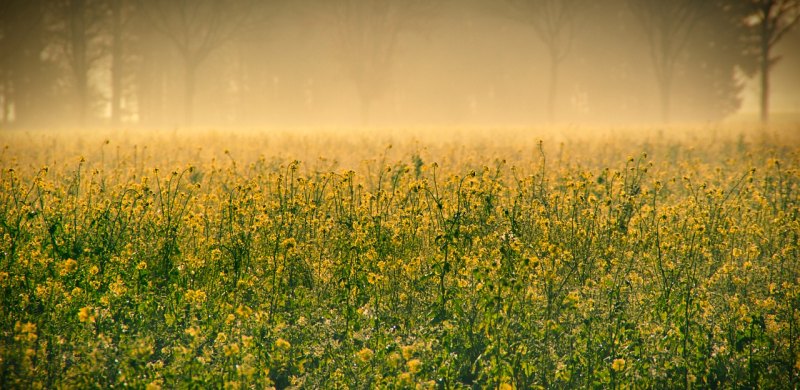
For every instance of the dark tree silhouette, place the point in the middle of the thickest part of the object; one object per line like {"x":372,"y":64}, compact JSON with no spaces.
{"x":668,"y":26}
{"x":718,"y":52}
{"x":772,"y":19}
{"x":20,"y":44}
{"x":554,"y":24}
{"x":197,"y":28}
{"x":78,"y":27}
{"x":367,"y":34}
{"x":122,"y":13}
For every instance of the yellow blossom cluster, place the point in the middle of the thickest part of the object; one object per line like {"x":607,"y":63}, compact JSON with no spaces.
{"x":252,"y":260}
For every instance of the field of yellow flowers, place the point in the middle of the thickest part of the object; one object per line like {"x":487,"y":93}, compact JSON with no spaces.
{"x":341,"y":260}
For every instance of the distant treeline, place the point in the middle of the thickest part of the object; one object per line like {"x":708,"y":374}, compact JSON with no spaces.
{"x":69,"y":63}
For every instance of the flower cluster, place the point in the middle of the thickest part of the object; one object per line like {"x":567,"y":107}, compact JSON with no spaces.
{"x":435,"y":265}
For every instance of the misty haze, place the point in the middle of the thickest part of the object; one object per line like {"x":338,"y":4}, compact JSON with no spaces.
{"x":158,"y":64}
{"x":399,"y":194}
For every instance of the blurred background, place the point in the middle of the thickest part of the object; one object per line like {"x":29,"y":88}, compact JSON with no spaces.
{"x":401,"y":63}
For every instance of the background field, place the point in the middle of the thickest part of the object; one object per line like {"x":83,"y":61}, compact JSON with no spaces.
{"x":439,"y":257}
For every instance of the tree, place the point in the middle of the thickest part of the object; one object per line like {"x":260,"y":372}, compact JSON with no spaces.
{"x":554,"y":22}
{"x":21,"y":42}
{"x":367,"y":34}
{"x":668,"y":26}
{"x":121,"y":13}
{"x":79,"y":32}
{"x":717,"y":53}
{"x":772,"y":20}
{"x":197,"y":28}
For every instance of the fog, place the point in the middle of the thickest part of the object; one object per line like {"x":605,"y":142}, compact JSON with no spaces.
{"x":392,"y":64}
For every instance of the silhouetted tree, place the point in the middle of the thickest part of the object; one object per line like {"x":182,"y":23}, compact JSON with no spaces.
{"x":78,"y":28}
{"x":668,"y":26}
{"x":554,"y":24}
{"x":772,"y":19}
{"x":20,"y":46}
{"x":197,"y":28}
{"x":122,"y":13}
{"x":367,"y":33}
{"x":714,"y":56}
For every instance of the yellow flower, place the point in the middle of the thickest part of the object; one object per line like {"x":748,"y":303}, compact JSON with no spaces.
{"x":27,"y":331}
{"x":68,"y":266}
{"x":192,"y":331}
{"x":142,"y":265}
{"x":395,"y":359}
{"x":76,"y":291}
{"x":28,"y":327}
{"x":365,"y":354}
{"x":618,"y":364}
{"x":282,"y":344}
{"x":505,"y":386}
{"x":414,"y":365}
{"x":408,"y":351}
{"x":231,"y":349}
{"x":118,"y":287}
{"x":246,"y":370}
{"x":86,"y":314}
{"x":195,"y":296}
{"x":404,"y":377}
{"x":244,"y":311}
{"x":154,"y":385}
{"x":231,"y":385}
{"x":372,"y":277}
{"x":289,"y":243}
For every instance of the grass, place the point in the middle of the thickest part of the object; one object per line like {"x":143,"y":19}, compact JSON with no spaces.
{"x":515,"y":260}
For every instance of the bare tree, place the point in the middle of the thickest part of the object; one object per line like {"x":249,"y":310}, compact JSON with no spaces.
{"x":773,"y":19}
{"x":554,"y":24}
{"x":121,"y":14}
{"x":367,"y":34}
{"x":197,"y":28}
{"x":78,"y":28}
{"x":668,"y":26}
{"x":20,"y":40}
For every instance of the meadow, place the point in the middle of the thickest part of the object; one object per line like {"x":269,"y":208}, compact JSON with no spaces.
{"x":635,"y":258}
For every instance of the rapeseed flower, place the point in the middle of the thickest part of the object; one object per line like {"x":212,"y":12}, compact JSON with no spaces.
{"x":414,"y":365}
{"x":86,"y":314}
{"x":365,"y":354}
{"x":68,"y":266}
{"x":281,"y":343}
{"x":618,"y":364}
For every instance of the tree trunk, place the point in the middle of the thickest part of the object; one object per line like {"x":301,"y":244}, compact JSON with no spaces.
{"x":552,"y":88}
{"x":4,"y":107}
{"x":665,"y":86}
{"x":664,"y":72}
{"x":79,"y":61}
{"x":765,"y":28}
{"x":764,"y":91}
{"x":116,"y":63}
{"x":188,"y":93}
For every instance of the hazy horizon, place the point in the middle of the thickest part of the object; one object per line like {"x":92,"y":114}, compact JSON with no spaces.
{"x":336,"y":64}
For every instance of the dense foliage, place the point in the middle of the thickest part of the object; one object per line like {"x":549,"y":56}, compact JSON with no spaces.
{"x":547,"y":265}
